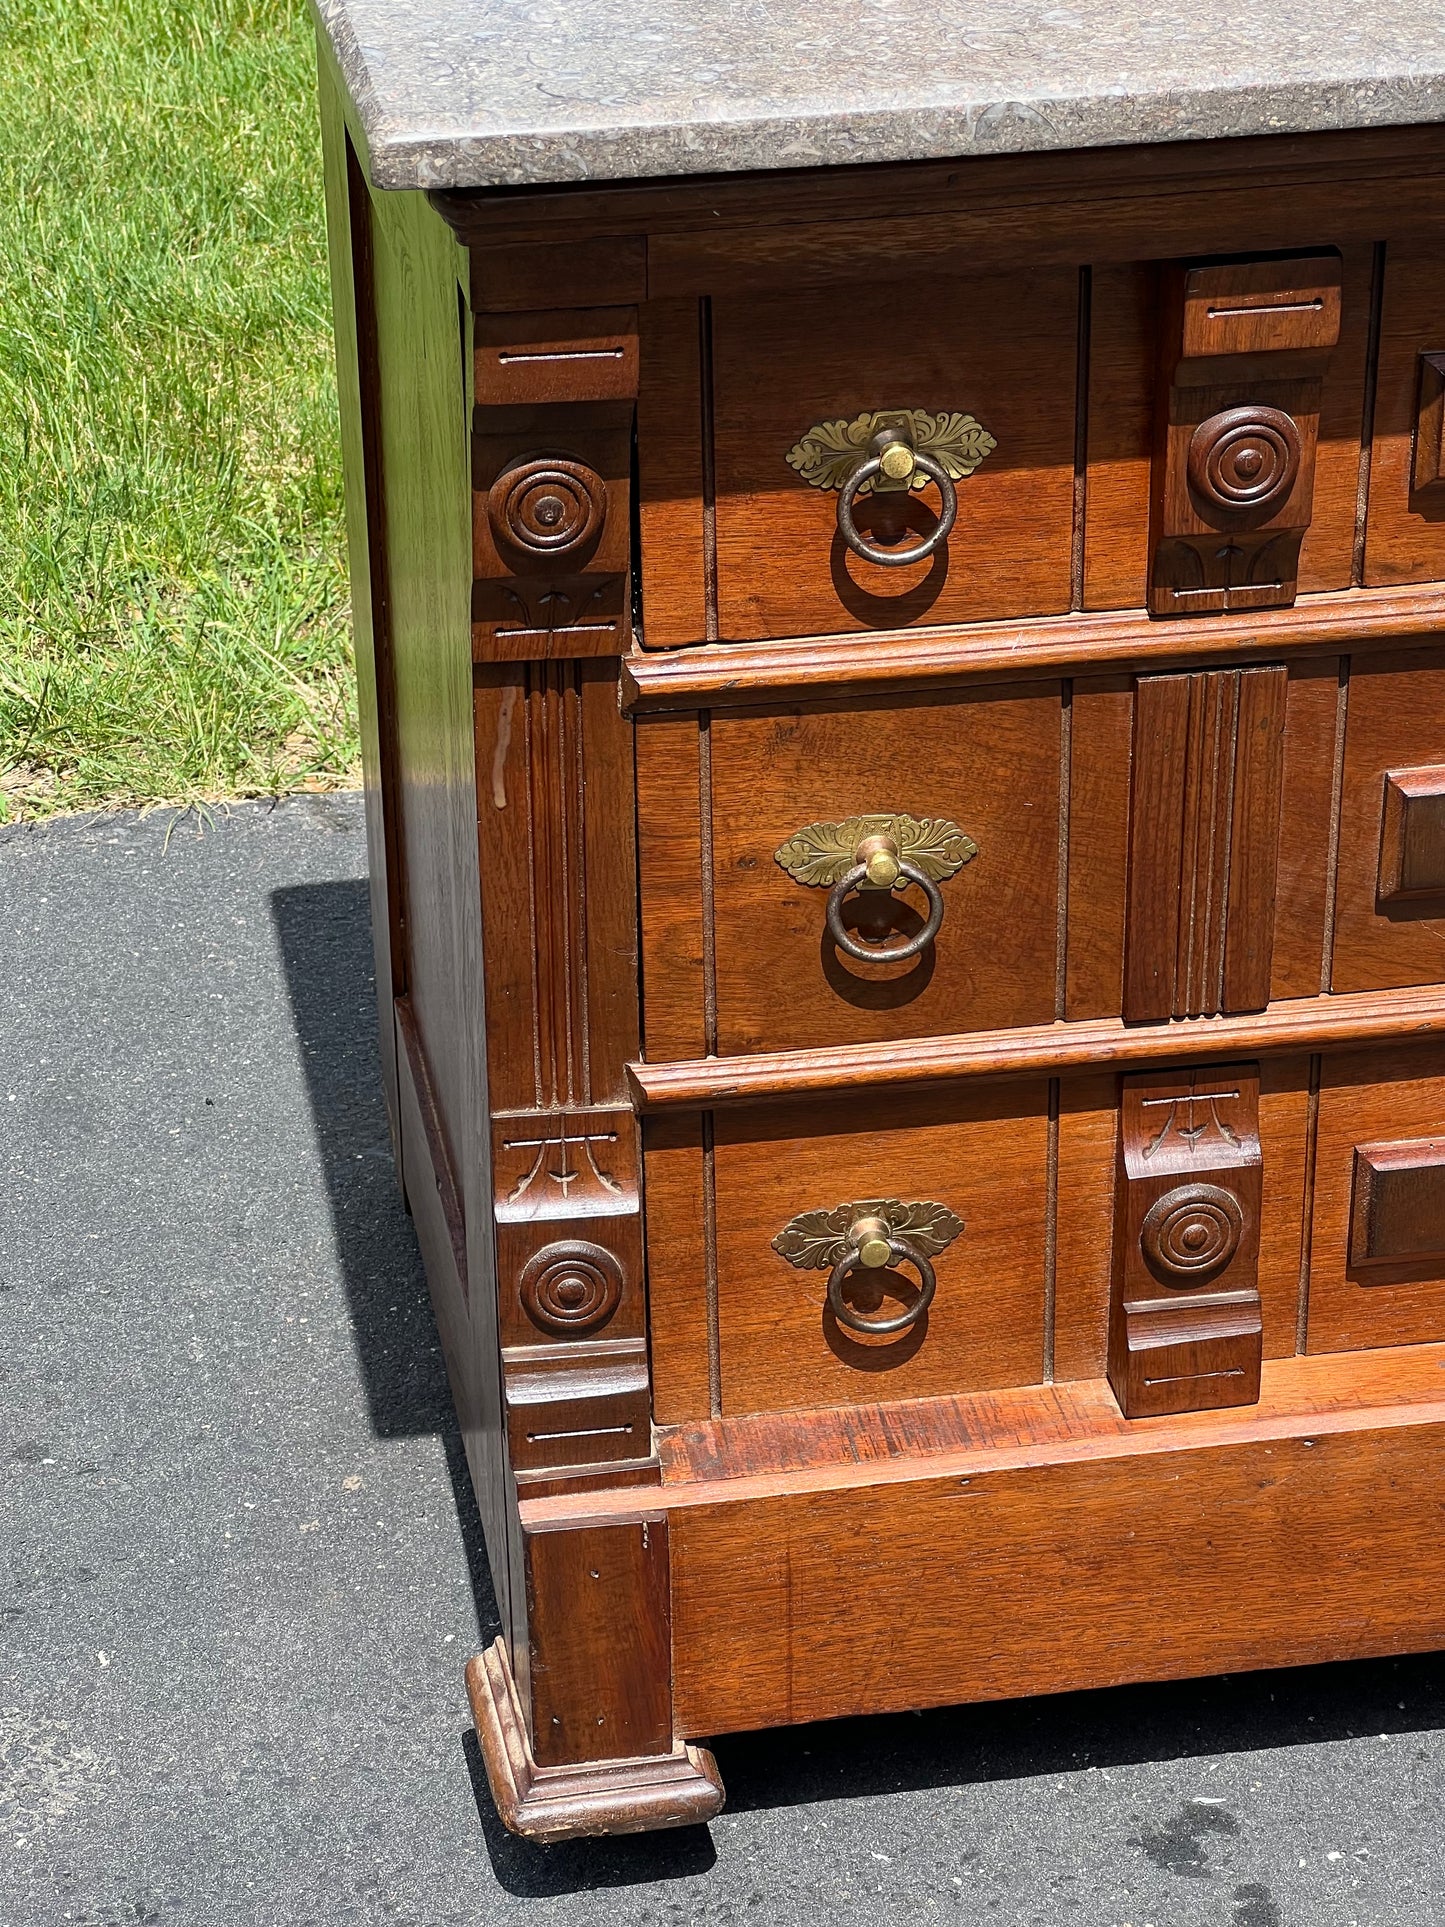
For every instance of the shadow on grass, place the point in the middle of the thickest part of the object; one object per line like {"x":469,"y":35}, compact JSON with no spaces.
{"x":325,"y":941}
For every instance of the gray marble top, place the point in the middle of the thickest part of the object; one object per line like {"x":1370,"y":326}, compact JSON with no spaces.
{"x":478,"y":93}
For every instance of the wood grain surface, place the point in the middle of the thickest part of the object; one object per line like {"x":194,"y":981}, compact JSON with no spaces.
{"x":1360,"y":623}
{"x":1369,"y":1097}
{"x":1050,"y":1579}
{"x":988,"y":762}
{"x":1310,"y":1023}
{"x":1396,"y":720}
{"x":1405,"y":538}
{"x":1003,"y":351}
{"x":982,"y":1154}
{"x":670,"y":476}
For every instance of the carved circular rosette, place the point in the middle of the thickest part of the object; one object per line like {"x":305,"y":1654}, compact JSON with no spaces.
{"x":547,"y":505}
{"x":1245,"y":458}
{"x":571,"y":1286}
{"x":1191,"y":1233}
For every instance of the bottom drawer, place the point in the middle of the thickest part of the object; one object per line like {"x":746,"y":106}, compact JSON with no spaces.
{"x":720,"y":1206}
{"x":1036,"y":1208}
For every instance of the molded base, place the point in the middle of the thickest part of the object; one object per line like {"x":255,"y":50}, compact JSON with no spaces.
{"x":678,"y":1789}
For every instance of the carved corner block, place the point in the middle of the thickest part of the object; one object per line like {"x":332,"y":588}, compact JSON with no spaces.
{"x":578,"y":1738}
{"x":1397,"y":1211}
{"x":570,"y":1300}
{"x":1185,"y":1324}
{"x":1243,"y":351}
{"x":1412,"y":835}
{"x":552,"y":481}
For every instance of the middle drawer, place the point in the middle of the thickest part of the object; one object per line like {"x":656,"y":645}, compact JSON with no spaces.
{"x":788,"y":819}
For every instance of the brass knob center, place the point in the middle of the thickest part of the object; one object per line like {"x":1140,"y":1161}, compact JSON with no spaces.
{"x":869,"y":1237}
{"x":882,"y":858}
{"x":896,"y":461}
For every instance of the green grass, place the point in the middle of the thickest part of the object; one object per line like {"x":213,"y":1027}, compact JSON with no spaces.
{"x":172,"y":582}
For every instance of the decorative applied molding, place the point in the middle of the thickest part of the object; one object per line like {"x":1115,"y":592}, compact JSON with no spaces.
{"x":572,"y":1286}
{"x":828,"y":453}
{"x":1427,"y":470}
{"x":545,"y":1803}
{"x":535,"y":621}
{"x":563,"y":1163}
{"x":1412,"y":835}
{"x":822,"y":854}
{"x":1245,"y":347}
{"x":1185,"y":1322}
{"x":1397,"y":1209}
{"x":546,"y":505}
{"x":1207,"y":792}
{"x":819,"y":1240}
{"x":1244,"y":458}
{"x":1341,"y":1021}
{"x":1190,"y":1234}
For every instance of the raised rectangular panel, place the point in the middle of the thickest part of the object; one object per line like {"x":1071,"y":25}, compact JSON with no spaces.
{"x":1377,"y":1250}
{"x":1412,"y":839}
{"x":1398,"y":1210}
{"x":1389,"y":922}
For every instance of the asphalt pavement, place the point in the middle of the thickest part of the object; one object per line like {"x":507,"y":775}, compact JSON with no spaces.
{"x":240,"y":1568}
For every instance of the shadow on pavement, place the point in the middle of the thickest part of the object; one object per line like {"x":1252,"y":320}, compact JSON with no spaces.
{"x":324,"y":932}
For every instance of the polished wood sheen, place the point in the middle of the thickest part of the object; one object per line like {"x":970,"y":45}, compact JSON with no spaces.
{"x":1140,"y":1151}
{"x":1129,"y":1565}
{"x":1396,"y":722}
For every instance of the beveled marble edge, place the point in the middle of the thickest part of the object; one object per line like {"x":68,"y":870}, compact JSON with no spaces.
{"x":479,"y":93}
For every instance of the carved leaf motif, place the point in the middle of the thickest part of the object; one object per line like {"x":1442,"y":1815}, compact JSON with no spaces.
{"x":928,"y":1227}
{"x":818,"y":1240}
{"x":957,"y":441}
{"x":830,"y":451}
{"x":821,"y":853}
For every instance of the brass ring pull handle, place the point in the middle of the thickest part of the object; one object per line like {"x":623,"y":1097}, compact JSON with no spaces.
{"x":873,"y":1246}
{"x":877,"y":852}
{"x":866,"y":1236}
{"x":880,"y":865}
{"x":893,"y":464}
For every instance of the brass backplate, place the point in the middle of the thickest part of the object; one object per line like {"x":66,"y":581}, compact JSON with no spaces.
{"x":823,"y":853}
{"x":829,"y":452}
{"x":818,"y":1240}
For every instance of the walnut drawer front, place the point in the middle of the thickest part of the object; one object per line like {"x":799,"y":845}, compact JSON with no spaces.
{"x":999,"y":349}
{"x":1377,"y":1268}
{"x":735,"y":912}
{"x":971,"y":1167}
{"x":1390,"y":920}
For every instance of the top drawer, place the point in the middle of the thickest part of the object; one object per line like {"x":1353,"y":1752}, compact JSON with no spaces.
{"x":991,"y":360}
{"x":755,"y":410}
{"x":1181,"y":436}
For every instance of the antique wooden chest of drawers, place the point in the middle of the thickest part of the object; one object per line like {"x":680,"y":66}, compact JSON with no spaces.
{"x":904,"y":715}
